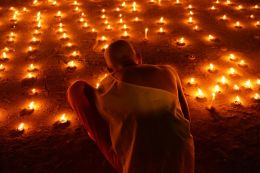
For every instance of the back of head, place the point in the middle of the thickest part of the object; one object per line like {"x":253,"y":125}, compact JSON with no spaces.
{"x":120,"y":54}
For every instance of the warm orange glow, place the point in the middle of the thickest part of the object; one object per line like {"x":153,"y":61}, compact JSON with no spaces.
{"x":236,"y":87}
{"x":232,"y":57}
{"x":223,"y":80}
{"x":2,"y":67}
{"x":237,"y":100}
{"x":71,"y":64}
{"x":31,"y":106}
{"x":211,"y":68}
{"x":146,"y":33}
{"x":192,"y":81}
{"x":256,"y":96}
{"x":217,"y":89}
{"x":232,"y":71}
{"x":248,"y":84}
{"x":21,"y":127}
{"x":200,"y":94}
{"x":63,"y":118}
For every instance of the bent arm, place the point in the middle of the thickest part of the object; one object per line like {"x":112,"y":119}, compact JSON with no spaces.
{"x":182,"y":99}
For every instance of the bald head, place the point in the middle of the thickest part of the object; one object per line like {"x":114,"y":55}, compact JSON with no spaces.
{"x":120,"y":54}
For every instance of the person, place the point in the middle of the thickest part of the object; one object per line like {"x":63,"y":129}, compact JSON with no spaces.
{"x":138,"y":117}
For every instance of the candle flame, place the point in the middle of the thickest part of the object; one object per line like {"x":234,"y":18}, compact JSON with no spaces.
{"x":21,"y":127}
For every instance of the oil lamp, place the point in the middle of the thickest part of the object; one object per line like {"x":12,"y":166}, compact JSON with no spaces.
{"x":136,"y":19}
{"x":103,"y":10}
{"x":33,"y":91}
{"x":124,"y":27}
{"x":63,"y":119}
{"x":223,"y":80}
{"x":69,"y":45}
{"x":177,"y":2}
{"x":238,"y":25}
{"x":76,"y":9}
{"x":242,"y":63}
{"x":93,"y":30}
{"x":248,"y":84}
{"x":60,"y":30}
{"x":217,"y":2}
{"x":97,"y":85}
{"x":120,"y":20}
{"x":211,"y":38}
{"x":217,"y":89}
{"x":190,"y":13}
{"x":192,"y":82}
{"x":190,"y":20}
{"x":85,"y":25}
{"x":30,"y":76}
{"x":4,"y":56}
{"x":30,"y":49}
{"x":196,"y":28}
{"x":211,"y":68}
{"x":161,"y":30}
{"x":161,"y":21}
{"x":210,"y":107}
{"x":81,"y":19}
{"x":252,"y":16}
{"x":2,"y":67}
{"x":236,"y":87}
{"x":256,"y":97}
{"x":20,"y":127}
{"x":39,"y":25}
{"x":200,"y":94}
{"x":105,"y":47}
{"x":190,"y":6}
{"x":256,"y":7}
{"x":117,"y":9}
{"x":36,"y":32}
{"x":232,"y":71}
{"x":123,"y":4}
{"x":224,"y":17}
{"x":34,"y":40}
{"x":237,"y":100}
{"x":228,"y":2}
{"x":75,"y":54}
{"x":232,"y":57}
{"x":64,"y":36}
{"x":75,"y":3}
{"x":125,"y":34}
{"x":181,"y":42}
{"x":71,"y":65}
{"x":103,"y":38}
{"x":240,"y":7}
{"x":31,"y":68}
{"x":31,"y":106}
{"x":58,"y":14}
{"x":213,"y":7}
{"x":108,"y":28}
{"x":257,"y":23}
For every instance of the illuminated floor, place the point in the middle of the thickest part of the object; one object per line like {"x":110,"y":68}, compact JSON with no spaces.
{"x":46,"y":45}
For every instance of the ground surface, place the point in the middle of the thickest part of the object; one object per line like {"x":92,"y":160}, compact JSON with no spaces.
{"x":227,"y":140}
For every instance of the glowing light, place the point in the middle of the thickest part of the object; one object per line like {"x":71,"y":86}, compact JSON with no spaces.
{"x":242,"y":63}
{"x":248,"y":84}
{"x":228,"y":2}
{"x":146,"y":33}
{"x":2,"y":67}
{"x":103,"y":38}
{"x":161,"y":21}
{"x":33,"y":91}
{"x":30,"y":76}
{"x":237,"y":100}
{"x":224,"y":17}
{"x":136,"y":19}
{"x":223,"y":80}
{"x":64,"y":36}
{"x":71,"y":64}
{"x":217,"y":89}
{"x":31,"y":67}
{"x":125,"y":27}
{"x":30,"y":49}
{"x":211,"y":68}
{"x":258,"y":81}
{"x":256,"y":97}
{"x":190,"y":6}
{"x":177,"y":2}
{"x":85,"y":25}
{"x":58,"y":14}
{"x":97,"y":85}
{"x":21,"y":127}
{"x":4,"y":56}
{"x":238,"y":25}
{"x":120,"y":20}
{"x":240,"y":7}
{"x":81,"y":19}
{"x":125,"y":34}
{"x":251,"y":16}
{"x":211,"y":38}
{"x":232,"y":71}
{"x":190,"y":13}
{"x":123,"y":4}
{"x":192,"y":81}
{"x":256,"y":7}
{"x":196,"y":28}
{"x":200,"y":94}
{"x":134,"y":6}
{"x":236,"y":87}
{"x":161,"y":30}
{"x":181,"y":42}
{"x":31,"y":106}
{"x":232,"y":57}
{"x":63,"y":118}
{"x":257,"y":23}
{"x":190,"y":20}
{"x":213,"y":7}
{"x":105,"y":46}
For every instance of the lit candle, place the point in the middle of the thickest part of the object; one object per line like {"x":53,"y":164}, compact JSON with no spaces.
{"x":161,"y":30}
{"x":123,"y":4}
{"x":85,"y":25}
{"x":256,"y":97}
{"x":76,"y":9}
{"x":2,"y":67}
{"x":240,"y":7}
{"x":125,"y":34}
{"x":217,"y":89}
{"x":21,"y":127}
{"x":196,"y":28}
{"x":192,"y":81}
{"x":224,"y":17}
{"x":190,"y":6}
{"x":60,"y":30}
{"x":81,"y":19}
{"x":36,"y":32}
{"x":258,"y":81}
{"x":125,"y":27}
{"x":97,"y":85}
{"x":238,"y":25}
{"x":236,"y":87}
{"x":252,"y":16}
{"x":146,"y":33}
{"x":105,"y":47}
{"x":30,"y":76}
{"x":34,"y":40}
{"x":190,"y":20}
{"x":103,"y":10}
{"x":71,"y":65}
{"x":31,"y":68}
{"x":134,"y":6}
{"x":4,"y":56}
{"x":161,"y":21}
{"x":177,"y":2}
{"x":75,"y":54}
{"x":237,"y":100}
{"x":58,"y":14}
{"x":211,"y":38}
{"x":69,"y":45}
{"x":232,"y":57}
{"x":190,"y":13}
{"x":217,"y":2}
{"x":213,"y":7}
{"x":93,"y":30}
{"x":232,"y":71}
{"x":121,"y":20}
{"x":200,"y":94}
{"x":64,"y":36}
{"x":108,"y":28}
{"x":103,"y":38}
{"x":228,"y":2}
{"x":136,"y":19}
{"x":242,"y":63}
{"x":33,"y":91}
{"x":212,"y":101}
{"x":31,"y":106}
{"x":211,"y":68}
{"x":223,"y":80}
{"x":30,"y":49}
{"x":248,"y":84}
{"x":256,"y":7}
{"x":63,"y":119}
{"x":257,"y":23}
{"x":181,"y":42}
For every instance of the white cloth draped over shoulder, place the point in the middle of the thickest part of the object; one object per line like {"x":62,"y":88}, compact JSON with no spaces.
{"x":147,"y":128}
